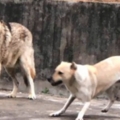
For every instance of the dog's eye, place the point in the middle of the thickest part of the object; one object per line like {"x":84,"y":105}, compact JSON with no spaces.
{"x":60,"y":73}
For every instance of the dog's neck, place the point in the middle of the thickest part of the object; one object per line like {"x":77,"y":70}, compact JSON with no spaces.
{"x":79,"y":76}
{"x":79,"y":83}
{"x":81,"y":73}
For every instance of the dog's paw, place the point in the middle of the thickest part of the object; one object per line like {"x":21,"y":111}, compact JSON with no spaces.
{"x":79,"y":119}
{"x":32,"y":97}
{"x":104,"y":110}
{"x":55,"y":114}
{"x":12,"y":95}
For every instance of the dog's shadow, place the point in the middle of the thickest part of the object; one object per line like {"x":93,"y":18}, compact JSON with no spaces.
{"x":89,"y":117}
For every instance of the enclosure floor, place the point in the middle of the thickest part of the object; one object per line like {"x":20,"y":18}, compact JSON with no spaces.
{"x":21,"y":108}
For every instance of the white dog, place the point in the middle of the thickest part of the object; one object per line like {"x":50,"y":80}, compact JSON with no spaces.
{"x":87,"y":81}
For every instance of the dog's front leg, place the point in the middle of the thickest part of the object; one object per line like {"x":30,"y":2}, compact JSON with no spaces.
{"x":82,"y":112}
{"x":67,"y":104}
{"x":12,"y":74}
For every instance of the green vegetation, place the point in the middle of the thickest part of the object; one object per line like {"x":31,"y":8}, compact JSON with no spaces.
{"x":45,"y":91}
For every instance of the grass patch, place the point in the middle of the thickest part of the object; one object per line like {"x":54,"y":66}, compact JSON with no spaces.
{"x":45,"y":91}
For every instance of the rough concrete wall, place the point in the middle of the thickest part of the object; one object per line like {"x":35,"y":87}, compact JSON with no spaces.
{"x":80,"y":32}
{"x":99,"y":1}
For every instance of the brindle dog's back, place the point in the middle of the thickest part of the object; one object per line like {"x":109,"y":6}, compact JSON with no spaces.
{"x":17,"y":39}
{"x":16,"y":51}
{"x":19,"y":32}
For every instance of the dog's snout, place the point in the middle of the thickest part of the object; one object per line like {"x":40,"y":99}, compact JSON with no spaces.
{"x":49,"y":79}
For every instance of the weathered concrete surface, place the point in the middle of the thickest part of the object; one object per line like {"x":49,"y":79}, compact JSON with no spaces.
{"x":81,"y":32}
{"x":21,"y":108}
{"x":40,"y":87}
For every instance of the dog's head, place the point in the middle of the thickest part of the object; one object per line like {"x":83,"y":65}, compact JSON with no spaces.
{"x":63,"y":73}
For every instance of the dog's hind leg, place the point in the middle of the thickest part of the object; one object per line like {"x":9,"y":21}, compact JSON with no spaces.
{"x":110,"y":93}
{"x":107,"y":107}
{"x":0,"y":68}
{"x":67,"y":104}
{"x":28,"y":70}
{"x":12,"y":74}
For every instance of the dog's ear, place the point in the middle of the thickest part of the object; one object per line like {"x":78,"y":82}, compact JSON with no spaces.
{"x":73,"y":66}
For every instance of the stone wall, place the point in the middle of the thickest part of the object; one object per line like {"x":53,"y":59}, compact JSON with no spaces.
{"x":81,"y":32}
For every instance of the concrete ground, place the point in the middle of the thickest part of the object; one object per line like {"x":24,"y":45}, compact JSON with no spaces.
{"x":21,"y":108}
